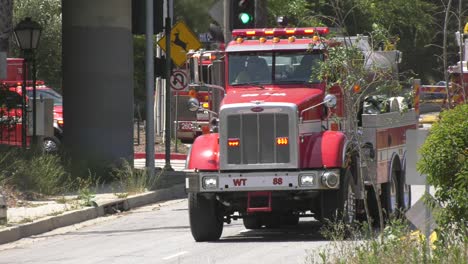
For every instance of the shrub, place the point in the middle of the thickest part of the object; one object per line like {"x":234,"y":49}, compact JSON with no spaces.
{"x":32,"y":171}
{"x":398,"y":244}
{"x":132,"y":180}
{"x":444,"y":159}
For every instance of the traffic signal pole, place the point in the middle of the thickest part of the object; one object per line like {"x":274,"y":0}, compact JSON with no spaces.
{"x":149,"y":89}
{"x":227,"y":20}
{"x":167,"y":134}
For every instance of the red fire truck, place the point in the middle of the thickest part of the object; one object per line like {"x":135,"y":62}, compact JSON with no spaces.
{"x":192,"y":124}
{"x":11,"y":108}
{"x":278,"y":156}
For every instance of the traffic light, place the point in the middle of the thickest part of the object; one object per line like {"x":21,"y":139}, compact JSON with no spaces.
{"x":139,"y":16}
{"x":243,"y":14}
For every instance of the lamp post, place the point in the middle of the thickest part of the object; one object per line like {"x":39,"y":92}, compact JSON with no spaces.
{"x":27,"y":34}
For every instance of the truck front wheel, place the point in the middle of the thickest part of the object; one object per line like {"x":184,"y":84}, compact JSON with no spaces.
{"x":206,"y":222}
{"x":340,"y":205}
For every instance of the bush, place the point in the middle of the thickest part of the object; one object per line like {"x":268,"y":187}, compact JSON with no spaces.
{"x":444,"y":159}
{"x":31,"y":171}
{"x":131,"y":181}
{"x":398,"y":244}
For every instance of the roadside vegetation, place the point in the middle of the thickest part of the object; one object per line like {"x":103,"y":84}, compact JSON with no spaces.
{"x":444,"y":159}
{"x":27,"y":176}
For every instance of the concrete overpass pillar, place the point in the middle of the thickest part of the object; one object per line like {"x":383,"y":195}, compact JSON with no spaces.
{"x":97,"y":81}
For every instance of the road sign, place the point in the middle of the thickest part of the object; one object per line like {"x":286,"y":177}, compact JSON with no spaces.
{"x":179,"y":80}
{"x":182,"y":40}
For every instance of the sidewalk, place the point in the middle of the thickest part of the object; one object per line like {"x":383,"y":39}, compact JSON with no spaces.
{"x":38,"y":217}
{"x":177,"y":160}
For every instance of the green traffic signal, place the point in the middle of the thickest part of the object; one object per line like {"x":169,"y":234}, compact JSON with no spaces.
{"x":245,"y":18}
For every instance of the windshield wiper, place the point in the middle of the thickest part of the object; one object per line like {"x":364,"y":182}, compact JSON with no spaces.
{"x":256,"y":84}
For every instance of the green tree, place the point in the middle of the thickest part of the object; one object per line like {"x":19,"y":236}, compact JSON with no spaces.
{"x":444,"y":159}
{"x":299,"y":12}
{"x":194,"y":13}
{"x":48,"y":13}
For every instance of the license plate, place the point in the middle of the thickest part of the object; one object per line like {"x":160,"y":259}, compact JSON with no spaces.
{"x":185,"y":125}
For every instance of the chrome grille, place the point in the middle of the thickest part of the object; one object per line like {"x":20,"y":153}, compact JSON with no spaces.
{"x":182,"y":110}
{"x":257,"y":134}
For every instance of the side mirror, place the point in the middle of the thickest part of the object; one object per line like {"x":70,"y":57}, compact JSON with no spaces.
{"x":193,"y":104}
{"x":330,"y":100}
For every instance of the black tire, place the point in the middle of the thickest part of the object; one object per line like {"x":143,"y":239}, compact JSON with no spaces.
{"x":347,"y":208}
{"x":340,"y":206}
{"x":252,"y":222}
{"x":290,"y":220}
{"x":390,"y":196}
{"x":272,"y":221}
{"x":405,"y":193}
{"x":206,"y":223}
{"x":50,"y":144}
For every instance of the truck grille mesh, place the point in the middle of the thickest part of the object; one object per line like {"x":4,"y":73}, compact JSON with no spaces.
{"x":258,"y":133}
{"x":182,"y":110}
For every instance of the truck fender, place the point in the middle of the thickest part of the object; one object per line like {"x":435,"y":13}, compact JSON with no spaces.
{"x":204,"y":153}
{"x":334,"y":146}
{"x":324,"y":149}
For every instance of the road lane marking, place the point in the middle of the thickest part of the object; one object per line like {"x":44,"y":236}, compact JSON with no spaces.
{"x":175,"y":255}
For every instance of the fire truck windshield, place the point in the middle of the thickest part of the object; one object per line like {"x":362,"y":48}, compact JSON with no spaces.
{"x":272,"y":67}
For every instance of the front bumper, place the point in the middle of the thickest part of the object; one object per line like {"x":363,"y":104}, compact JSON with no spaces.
{"x":216,"y":182}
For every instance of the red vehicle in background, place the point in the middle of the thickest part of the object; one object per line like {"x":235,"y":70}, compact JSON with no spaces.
{"x":11,"y":107}
{"x":193,"y":124}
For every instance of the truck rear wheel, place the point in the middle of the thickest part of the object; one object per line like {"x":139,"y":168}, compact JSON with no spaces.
{"x":206,"y":222}
{"x":405,"y":192}
{"x":390,"y":196}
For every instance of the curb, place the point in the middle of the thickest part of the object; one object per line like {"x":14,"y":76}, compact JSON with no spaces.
{"x":175,"y":156}
{"x":14,"y":233}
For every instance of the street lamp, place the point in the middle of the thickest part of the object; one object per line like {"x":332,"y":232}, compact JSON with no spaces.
{"x":27,"y":34}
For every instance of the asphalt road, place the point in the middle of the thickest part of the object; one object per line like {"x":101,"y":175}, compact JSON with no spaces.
{"x":160,"y":233}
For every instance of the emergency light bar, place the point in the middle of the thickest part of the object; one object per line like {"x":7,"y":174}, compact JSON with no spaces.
{"x":277,"y":32}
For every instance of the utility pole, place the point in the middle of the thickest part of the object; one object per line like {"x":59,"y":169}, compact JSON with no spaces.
{"x":260,"y":13}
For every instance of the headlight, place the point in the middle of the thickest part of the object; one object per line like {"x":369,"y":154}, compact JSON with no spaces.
{"x":331,"y":179}
{"x":307,"y":179}
{"x":210,"y":182}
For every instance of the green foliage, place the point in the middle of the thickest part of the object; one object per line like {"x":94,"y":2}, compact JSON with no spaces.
{"x":298,"y":12}
{"x":398,"y":244}
{"x":194,"y":13}
{"x":444,"y":158}
{"x":131,"y":181}
{"x":36,"y":172}
{"x":48,"y":13}
{"x":86,"y":194}
{"x":356,"y":74}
